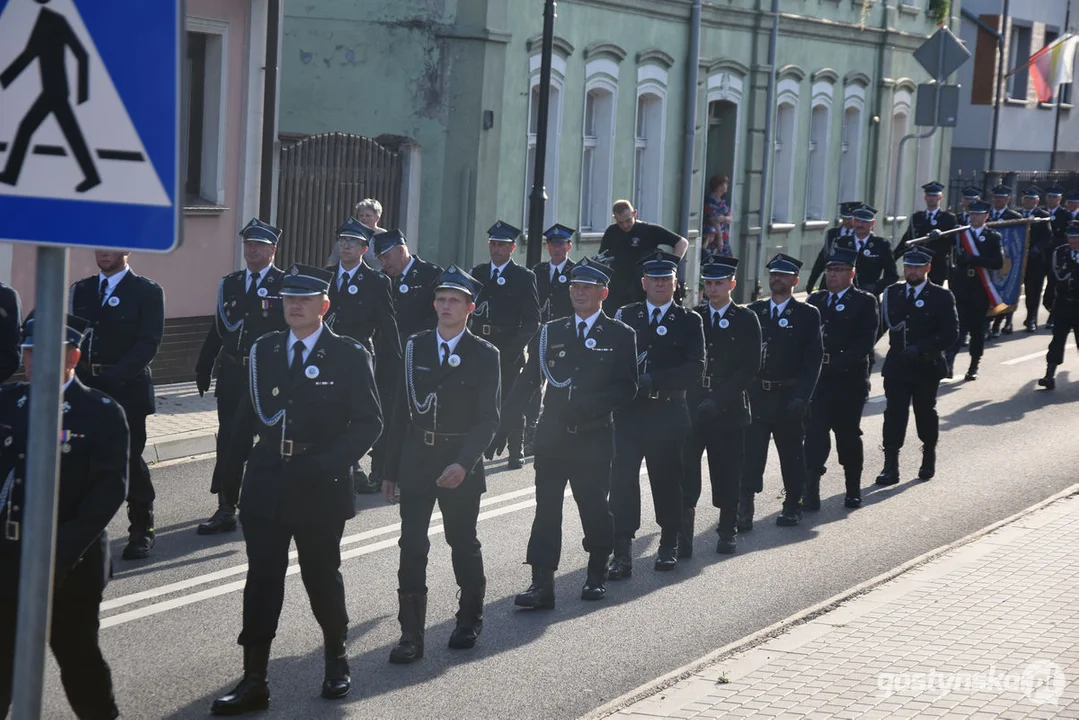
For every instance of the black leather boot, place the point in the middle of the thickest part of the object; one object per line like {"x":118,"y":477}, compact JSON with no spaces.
{"x":469,"y":618}
{"x":140,"y":540}
{"x":667,"y":559}
{"x":744,"y":522}
{"x":622,"y":563}
{"x":252,"y":693}
{"x":972,"y":371}
{"x":222,"y":521}
{"x":728,"y":539}
{"x":336,"y":681}
{"x":812,"y":496}
{"x":853,"y":498}
{"x":929,"y":462}
{"x":685,"y":533}
{"x":1049,"y":382}
{"x":595,"y":586}
{"x":540,"y":594}
{"x":412,"y":614}
{"x":890,"y":474}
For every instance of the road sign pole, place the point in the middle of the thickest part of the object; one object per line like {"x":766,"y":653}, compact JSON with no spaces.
{"x":42,"y":479}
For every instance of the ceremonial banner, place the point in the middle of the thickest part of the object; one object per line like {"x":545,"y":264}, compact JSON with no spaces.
{"x":1006,"y":284}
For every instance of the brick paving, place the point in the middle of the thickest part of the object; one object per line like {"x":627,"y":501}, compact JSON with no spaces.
{"x":987,"y":630}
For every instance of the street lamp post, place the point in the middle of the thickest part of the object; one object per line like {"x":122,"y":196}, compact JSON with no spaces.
{"x":538,"y":197}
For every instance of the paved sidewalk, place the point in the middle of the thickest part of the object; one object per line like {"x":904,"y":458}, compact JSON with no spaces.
{"x":183,"y":425}
{"x":988,"y":629}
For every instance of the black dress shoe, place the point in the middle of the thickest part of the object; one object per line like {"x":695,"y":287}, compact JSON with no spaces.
{"x":667,"y":558}
{"x":1048,"y":383}
{"x":251,"y":695}
{"x":621,"y":567}
{"x":789,"y":517}
{"x":811,"y":502}
{"x":852,"y":502}
{"x":222,"y":521}
{"x":728,"y":543}
{"x":464,"y":638}
{"x":338,"y":682}
{"x":540,"y":594}
{"x":139,"y":545}
{"x":406,"y":651}
{"x":595,"y":586}
{"x":515,"y":462}
{"x":1030,"y":327}
{"x":929,"y":464}
{"x":744,"y":521}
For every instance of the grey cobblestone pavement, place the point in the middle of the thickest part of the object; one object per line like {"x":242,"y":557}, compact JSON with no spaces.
{"x":989,"y":629}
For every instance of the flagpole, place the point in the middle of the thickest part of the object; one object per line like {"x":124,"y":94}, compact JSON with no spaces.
{"x":1056,"y":124}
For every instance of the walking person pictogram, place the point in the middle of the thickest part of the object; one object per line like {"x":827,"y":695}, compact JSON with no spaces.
{"x":51,"y":36}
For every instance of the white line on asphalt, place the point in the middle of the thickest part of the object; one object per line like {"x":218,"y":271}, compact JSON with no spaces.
{"x":1032,"y":356}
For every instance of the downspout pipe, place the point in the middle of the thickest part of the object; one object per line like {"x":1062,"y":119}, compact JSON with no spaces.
{"x":269,"y":112}
{"x":692,"y":262}
{"x":769,"y":149}
{"x":998,"y":91}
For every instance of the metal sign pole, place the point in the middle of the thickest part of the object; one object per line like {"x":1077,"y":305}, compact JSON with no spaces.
{"x":42,"y":480}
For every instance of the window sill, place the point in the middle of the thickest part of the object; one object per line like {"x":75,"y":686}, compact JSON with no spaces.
{"x":901,"y":219}
{"x":1047,"y":105}
{"x":589,"y":235}
{"x":1015,"y":102}
{"x":1066,"y":106}
{"x":815,"y":224}
{"x":909,"y":10}
{"x":781,"y":228}
{"x":207,"y":210}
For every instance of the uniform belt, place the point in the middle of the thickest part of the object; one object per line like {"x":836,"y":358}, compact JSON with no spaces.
{"x":236,"y":360}
{"x":96,"y":370}
{"x":492,"y":330}
{"x":290,"y":448}
{"x":706,"y":382}
{"x":591,"y":425}
{"x":971,"y":272}
{"x":431,"y":439}
{"x":770,"y":385}
{"x":666,"y":395}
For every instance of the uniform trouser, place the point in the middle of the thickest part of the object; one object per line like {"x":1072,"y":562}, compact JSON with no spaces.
{"x":511,"y":368}
{"x":837,"y":408}
{"x":726,"y":456}
{"x":74,"y":642}
{"x":140,"y":489}
{"x":1066,"y":322}
{"x":585,"y":463}
{"x":655,"y":433}
{"x":460,"y":508}
{"x":789,"y":434}
{"x":318,"y":546}
{"x":532,"y":409}
{"x":902,"y":392}
{"x":971,"y":305}
{"x":1033,"y":283}
{"x":233,"y":443}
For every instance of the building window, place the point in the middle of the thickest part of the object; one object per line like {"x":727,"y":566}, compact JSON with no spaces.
{"x":926,"y":170}
{"x":897,"y":203}
{"x":783,"y":164}
{"x":817,"y":162}
{"x":851,"y":154}
{"x":550,"y":174}
{"x":1018,"y":53}
{"x":596,"y":162}
{"x":648,"y":156}
{"x":203,"y":123}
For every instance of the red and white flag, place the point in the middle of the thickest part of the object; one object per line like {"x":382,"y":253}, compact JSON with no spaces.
{"x":1053,"y":66}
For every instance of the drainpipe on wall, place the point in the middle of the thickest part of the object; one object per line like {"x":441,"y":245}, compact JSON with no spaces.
{"x":769,"y":150}
{"x":692,"y":262}
{"x":269,"y":113}
{"x":998,"y":91}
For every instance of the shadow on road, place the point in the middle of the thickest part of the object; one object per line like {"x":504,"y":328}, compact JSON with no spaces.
{"x":1029,"y":398}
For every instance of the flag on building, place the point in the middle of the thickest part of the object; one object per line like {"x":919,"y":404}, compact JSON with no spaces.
{"x":1053,"y":66}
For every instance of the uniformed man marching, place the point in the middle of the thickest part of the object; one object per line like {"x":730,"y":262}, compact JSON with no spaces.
{"x":412,"y":283}
{"x":1039,"y":253}
{"x":589,"y":364}
{"x":248,"y":307}
{"x":934,"y":217}
{"x":127,"y":317}
{"x":922,"y":325}
{"x":507,"y":315}
{"x":875,"y":267}
{"x":719,"y":404}
{"x":654,"y":427}
{"x":93,"y":483}
{"x":1065,"y":269}
{"x":969,"y":195}
{"x":446,"y":416}
{"x":977,"y":252}
{"x":790,"y":364}
{"x":1061,"y":218}
{"x":315,"y":407}
{"x":361,"y":308}
{"x":849,"y":324}
{"x":843,"y":230}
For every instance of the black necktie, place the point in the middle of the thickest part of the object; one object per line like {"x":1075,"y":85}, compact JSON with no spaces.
{"x":102,"y":290}
{"x":655,"y":317}
{"x":296,"y":369}
{"x":494,"y":275}
{"x":252,"y":289}
{"x":342,"y":281}
{"x":910,"y":294}
{"x":833,"y":300}
{"x":581,"y":327}
{"x":445,"y":353}
{"x":715,"y":320}
{"x":775,"y":313}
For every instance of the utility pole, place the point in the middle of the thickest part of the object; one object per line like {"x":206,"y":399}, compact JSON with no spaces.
{"x":538,"y":196}
{"x":1057,"y":91}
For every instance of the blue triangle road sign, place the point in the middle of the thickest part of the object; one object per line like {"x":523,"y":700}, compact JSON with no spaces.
{"x":89,"y":123}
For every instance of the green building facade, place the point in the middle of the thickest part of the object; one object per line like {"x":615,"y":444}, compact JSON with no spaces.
{"x":455,"y":83}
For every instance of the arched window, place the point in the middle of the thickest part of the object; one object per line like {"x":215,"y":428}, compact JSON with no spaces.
{"x":649,"y":137}
{"x":898,"y":202}
{"x":850,"y":161}
{"x":554,"y":132}
{"x":817,"y":160}
{"x":785,"y":150}
{"x":597,"y":159}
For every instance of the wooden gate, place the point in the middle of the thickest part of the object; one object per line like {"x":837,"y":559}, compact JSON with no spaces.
{"x":322,"y":177}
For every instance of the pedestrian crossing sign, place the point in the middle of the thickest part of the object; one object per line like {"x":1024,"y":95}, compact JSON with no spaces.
{"x":89,"y":123}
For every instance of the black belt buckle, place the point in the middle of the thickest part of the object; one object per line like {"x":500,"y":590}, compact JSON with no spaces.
{"x":428,"y":438}
{"x":766,"y":385}
{"x":571,"y":429}
{"x":96,"y":370}
{"x":970,"y":272}
{"x":286,"y":448}
{"x":11,"y":531}
{"x":485,"y":329}
{"x":654,"y":395}
{"x":826,"y":358}
{"x":706,"y":382}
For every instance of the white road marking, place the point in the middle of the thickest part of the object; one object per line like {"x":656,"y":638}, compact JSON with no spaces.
{"x":1024,"y":358}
